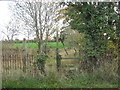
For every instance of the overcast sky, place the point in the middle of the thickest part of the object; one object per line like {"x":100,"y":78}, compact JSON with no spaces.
{"x":4,"y":16}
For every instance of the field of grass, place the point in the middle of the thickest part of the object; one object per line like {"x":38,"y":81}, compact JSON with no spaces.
{"x":53,"y":80}
{"x":34,"y":45}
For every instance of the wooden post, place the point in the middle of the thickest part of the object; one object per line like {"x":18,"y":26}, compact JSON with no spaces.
{"x":2,"y":62}
{"x":24,"y":55}
{"x":15,"y":60}
{"x":1,"y":68}
{"x":58,"y":62}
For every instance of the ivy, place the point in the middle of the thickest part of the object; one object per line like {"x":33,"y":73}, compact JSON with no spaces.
{"x":93,"y":21}
{"x":41,"y":58}
{"x":40,"y":62}
{"x":99,"y":23}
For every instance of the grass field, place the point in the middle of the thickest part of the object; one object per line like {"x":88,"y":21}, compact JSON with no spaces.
{"x":34,"y":45}
{"x":66,"y":84}
{"x":53,"y":80}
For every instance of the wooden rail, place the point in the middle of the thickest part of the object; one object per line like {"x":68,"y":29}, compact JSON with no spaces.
{"x":70,"y":58}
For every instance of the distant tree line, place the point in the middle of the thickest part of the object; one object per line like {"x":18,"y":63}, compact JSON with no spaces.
{"x":21,"y":41}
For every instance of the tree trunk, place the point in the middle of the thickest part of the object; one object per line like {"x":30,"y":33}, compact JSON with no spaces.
{"x":93,"y":63}
{"x":58,"y":62}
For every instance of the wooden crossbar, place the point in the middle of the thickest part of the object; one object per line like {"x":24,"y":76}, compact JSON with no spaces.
{"x":70,"y":58}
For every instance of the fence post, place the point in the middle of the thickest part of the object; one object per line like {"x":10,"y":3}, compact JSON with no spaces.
{"x":1,"y":62}
{"x":24,"y":56}
{"x":58,"y":61}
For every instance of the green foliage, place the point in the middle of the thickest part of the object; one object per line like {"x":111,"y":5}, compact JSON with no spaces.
{"x":93,"y":21}
{"x":40,"y":61}
{"x":41,"y":58}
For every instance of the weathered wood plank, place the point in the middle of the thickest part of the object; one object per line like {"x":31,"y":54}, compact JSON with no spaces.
{"x":70,"y":58}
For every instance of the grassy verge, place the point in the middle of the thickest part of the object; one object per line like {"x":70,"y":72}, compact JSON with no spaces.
{"x":53,"y":80}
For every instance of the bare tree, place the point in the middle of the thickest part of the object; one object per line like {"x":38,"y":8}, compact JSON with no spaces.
{"x":38,"y":16}
{"x":12,"y":30}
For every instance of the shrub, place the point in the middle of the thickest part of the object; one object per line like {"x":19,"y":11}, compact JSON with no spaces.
{"x":40,"y":62}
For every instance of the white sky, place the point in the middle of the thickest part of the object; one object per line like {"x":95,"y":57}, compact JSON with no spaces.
{"x":4,"y":16}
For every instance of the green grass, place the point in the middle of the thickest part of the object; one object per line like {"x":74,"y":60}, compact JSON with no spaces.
{"x":53,"y":80}
{"x":35,"y":83}
{"x":34,"y":45}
